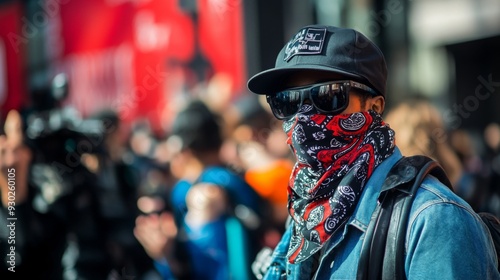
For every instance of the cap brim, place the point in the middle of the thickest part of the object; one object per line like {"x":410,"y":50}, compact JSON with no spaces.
{"x":274,"y":80}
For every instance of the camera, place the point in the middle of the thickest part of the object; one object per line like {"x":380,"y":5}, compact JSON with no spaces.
{"x":58,"y":137}
{"x":55,"y":130}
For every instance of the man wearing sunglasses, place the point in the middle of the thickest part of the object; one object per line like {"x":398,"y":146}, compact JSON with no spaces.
{"x":328,"y":86}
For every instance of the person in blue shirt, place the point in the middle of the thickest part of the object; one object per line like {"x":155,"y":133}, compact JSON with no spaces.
{"x":328,"y":86}
{"x":204,"y":227}
{"x":200,"y":239}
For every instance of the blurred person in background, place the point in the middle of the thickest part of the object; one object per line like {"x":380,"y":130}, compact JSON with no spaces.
{"x":264,"y":168}
{"x":475,"y":179}
{"x":204,"y":227}
{"x":420,"y":131}
{"x":75,"y":199}
{"x":119,"y":179}
{"x":61,"y":233}
{"x":15,"y":159}
{"x":194,"y":143}
{"x":203,"y":246}
{"x":491,"y":136}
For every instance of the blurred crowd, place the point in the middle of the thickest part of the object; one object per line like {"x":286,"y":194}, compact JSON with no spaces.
{"x":470,"y":159}
{"x":97,"y":199}
{"x":199,"y":202}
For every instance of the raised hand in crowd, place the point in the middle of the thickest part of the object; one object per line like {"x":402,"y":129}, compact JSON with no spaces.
{"x":157,"y":233}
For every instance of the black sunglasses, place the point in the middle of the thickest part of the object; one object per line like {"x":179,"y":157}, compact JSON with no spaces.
{"x":329,"y":98}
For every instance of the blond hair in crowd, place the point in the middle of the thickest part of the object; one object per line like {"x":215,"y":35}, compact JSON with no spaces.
{"x":420,"y":129}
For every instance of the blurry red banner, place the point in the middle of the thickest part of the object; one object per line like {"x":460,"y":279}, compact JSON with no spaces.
{"x":139,"y":56}
{"x":12,"y":89}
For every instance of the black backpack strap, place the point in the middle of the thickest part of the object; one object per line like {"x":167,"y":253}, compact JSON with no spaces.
{"x":493,"y":223}
{"x":382,"y":253}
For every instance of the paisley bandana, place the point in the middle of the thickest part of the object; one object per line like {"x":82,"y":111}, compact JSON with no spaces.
{"x":335,"y":155}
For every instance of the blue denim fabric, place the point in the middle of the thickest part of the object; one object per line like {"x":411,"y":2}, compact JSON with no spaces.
{"x":207,"y":247}
{"x":445,"y":239}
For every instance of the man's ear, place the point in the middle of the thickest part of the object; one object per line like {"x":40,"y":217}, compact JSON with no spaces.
{"x":378,"y":104}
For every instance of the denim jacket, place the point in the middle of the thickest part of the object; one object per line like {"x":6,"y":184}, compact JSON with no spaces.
{"x":445,"y":239}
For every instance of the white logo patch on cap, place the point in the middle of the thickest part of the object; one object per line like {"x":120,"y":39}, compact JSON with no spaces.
{"x":307,"y":41}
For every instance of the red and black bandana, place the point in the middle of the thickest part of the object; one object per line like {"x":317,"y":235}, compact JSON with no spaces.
{"x":336,"y":155}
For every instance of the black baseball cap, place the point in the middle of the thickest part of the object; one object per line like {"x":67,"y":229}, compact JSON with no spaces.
{"x":338,"y":50}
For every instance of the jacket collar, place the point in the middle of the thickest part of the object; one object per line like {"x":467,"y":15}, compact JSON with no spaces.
{"x":368,"y":200}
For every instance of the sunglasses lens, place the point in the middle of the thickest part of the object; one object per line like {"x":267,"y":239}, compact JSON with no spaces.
{"x":285,"y":103}
{"x":330,"y":98}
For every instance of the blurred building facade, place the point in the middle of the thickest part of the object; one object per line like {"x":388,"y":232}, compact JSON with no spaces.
{"x":445,"y":50}
{"x":142,"y":56}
